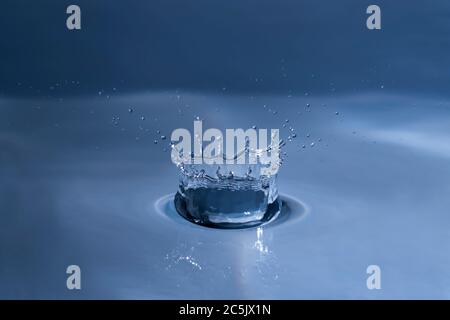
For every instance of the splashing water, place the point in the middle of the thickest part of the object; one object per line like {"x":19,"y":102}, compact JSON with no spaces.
{"x":228,"y":195}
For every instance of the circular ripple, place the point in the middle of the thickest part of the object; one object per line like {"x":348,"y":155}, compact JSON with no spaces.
{"x":286,"y":211}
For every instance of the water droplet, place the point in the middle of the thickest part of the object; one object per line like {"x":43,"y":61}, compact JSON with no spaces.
{"x":163,"y":137}
{"x":130,"y":110}
{"x":155,"y":141}
{"x":115,"y":120}
{"x":336,"y":113}
{"x":312,"y":144}
{"x":142,"y":118}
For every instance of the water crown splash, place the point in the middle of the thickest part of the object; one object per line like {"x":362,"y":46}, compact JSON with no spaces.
{"x":232,"y":189}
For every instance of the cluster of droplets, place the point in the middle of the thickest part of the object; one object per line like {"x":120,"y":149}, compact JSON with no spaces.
{"x":158,"y":138}
{"x":219,"y":175}
{"x":52,"y":90}
{"x":291,"y":134}
{"x":301,"y":141}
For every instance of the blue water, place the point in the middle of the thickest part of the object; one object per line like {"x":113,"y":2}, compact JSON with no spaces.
{"x":77,"y":189}
{"x":232,"y":198}
{"x":82,"y":177}
{"x":219,"y":205}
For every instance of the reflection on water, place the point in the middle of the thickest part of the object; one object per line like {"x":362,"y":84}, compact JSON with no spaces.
{"x":259,"y":243}
{"x":76,"y":190}
{"x":240,"y":259}
{"x":244,"y":263}
{"x":182,"y":255}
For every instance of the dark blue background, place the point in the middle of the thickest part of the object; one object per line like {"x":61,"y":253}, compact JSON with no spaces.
{"x":288,"y":45}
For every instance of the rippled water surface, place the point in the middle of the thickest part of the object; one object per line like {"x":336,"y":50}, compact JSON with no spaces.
{"x":80,"y":179}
